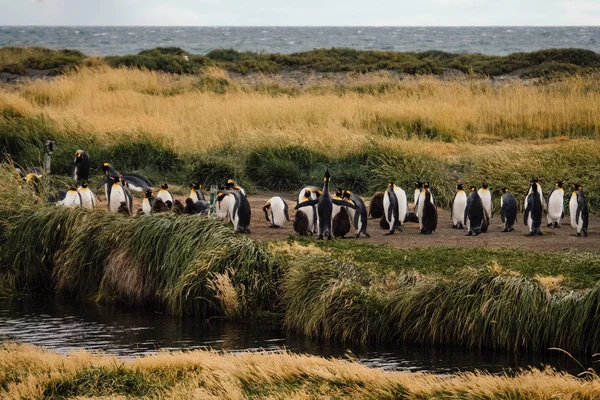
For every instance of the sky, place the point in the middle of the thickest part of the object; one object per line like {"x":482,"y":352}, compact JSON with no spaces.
{"x":301,"y":12}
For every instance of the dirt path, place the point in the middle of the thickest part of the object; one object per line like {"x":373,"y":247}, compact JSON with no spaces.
{"x":553,"y":240}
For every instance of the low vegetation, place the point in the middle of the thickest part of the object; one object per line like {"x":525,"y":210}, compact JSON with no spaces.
{"x":21,"y":60}
{"x":33,"y":373}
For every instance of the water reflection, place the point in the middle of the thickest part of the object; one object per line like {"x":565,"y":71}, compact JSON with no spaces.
{"x":68,"y":326}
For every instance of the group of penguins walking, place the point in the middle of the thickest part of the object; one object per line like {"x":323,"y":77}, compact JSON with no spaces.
{"x":317,"y":211}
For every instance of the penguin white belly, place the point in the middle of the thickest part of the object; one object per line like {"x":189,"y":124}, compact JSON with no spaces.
{"x":555,"y":206}
{"x":75,"y":174}
{"x":310,"y":215}
{"x":389,"y":214}
{"x":416,"y":197}
{"x":458,"y":208}
{"x":146,"y":207}
{"x":165,"y":196}
{"x":235,"y":219}
{"x":486,"y":199}
{"x":72,"y":199}
{"x":194,"y":196}
{"x":420,"y":208}
{"x":87,"y":198}
{"x":573,"y":210}
{"x":117,"y":195}
{"x":222,"y":208}
{"x":277,"y":216}
{"x":402,"y":204}
{"x":351,"y":213}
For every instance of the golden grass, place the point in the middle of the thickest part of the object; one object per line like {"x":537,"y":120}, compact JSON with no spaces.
{"x":33,"y":373}
{"x":103,"y":101}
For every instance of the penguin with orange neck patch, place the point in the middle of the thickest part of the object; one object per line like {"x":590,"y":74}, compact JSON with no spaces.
{"x":324,"y":208}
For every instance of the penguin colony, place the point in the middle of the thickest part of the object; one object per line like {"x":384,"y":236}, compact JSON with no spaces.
{"x":319,"y":212}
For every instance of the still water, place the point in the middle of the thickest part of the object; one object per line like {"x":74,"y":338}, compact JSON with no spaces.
{"x":66,"y":327}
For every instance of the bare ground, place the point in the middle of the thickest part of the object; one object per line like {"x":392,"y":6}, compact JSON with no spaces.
{"x":554,"y":239}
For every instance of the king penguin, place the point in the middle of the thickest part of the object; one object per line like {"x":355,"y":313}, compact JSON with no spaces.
{"x":196,"y":192}
{"x":324,"y":208}
{"x":238,"y":210}
{"x":309,"y":211}
{"x":417,"y":193}
{"x":474,"y":213}
{"x":358,"y":214}
{"x":72,"y":199}
{"x":279,"y":211}
{"x":128,"y":195}
{"x":116,"y":195}
{"x":459,"y":203}
{"x":147,"y":202}
{"x":533,"y":211}
{"x":376,"y":205}
{"x":508,"y":210}
{"x":88,"y":200}
{"x":164,"y":194}
{"x":428,"y":219}
{"x":81,"y":172}
{"x":535,"y":180}
{"x":578,"y":208}
{"x":232,"y":185}
{"x":555,"y":205}
{"x":395,"y":207}
{"x":486,"y":199}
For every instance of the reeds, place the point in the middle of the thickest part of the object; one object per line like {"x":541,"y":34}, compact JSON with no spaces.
{"x":30,"y":372}
{"x":166,"y":260}
{"x":476,"y":308}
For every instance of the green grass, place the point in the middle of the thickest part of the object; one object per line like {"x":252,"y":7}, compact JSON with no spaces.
{"x":580,"y":269}
{"x":543,"y":63}
{"x":491,"y":307}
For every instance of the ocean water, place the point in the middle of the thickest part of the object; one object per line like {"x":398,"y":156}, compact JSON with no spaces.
{"x":130,"y":40}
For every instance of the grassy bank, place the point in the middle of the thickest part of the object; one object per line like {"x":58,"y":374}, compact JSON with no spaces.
{"x":33,"y":373}
{"x":178,"y":61}
{"x":193,"y":128}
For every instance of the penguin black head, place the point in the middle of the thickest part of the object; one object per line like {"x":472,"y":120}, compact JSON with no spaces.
{"x":459,"y":186}
{"x":164,"y":186}
{"x":327,"y":177}
{"x":318,"y":193}
{"x":390,"y":183}
{"x":347,"y":194}
{"x":473,"y":188}
{"x":196,"y":186}
{"x":339,"y":192}
{"x":535,"y":179}
{"x":105,"y":168}
{"x":148,"y":193}
{"x":418,"y":185}
{"x":80,"y":155}
{"x":115,"y":179}
{"x":220,"y":196}
{"x":72,"y":188}
{"x":505,"y":190}
{"x":559,"y":184}
{"x":484,"y":185}
{"x":577,"y":186}
{"x":230,"y":183}
{"x":307,"y":193}
{"x":426,"y":185}
{"x":534,"y":187}
{"x":124,"y":182}
{"x":84,"y":185}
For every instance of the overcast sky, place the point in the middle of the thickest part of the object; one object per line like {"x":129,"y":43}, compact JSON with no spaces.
{"x":300,"y":12}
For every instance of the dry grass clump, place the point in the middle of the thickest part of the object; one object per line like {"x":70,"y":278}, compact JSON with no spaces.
{"x":210,"y":111}
{"x":34,"y":373}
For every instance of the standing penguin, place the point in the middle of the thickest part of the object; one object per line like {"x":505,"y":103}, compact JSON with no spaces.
{"x":358,"y":215}
{"x":555,"y":205}
{"x":533,"y":211}
{"x":486,"y":199}
{"x":324,"y":208}
{"x":395,"y":207}
{"x":147,"y":202}
{"x":279,"y":211}
{"x":428,"y":219}
{"x":341,"y":223}
{"x":578,"y":209}
{"x":508,"y":210}
{"x":72,"y":198}
{"x":196,"y":192}
{"x":459,"y":203}
{"x":232,"y":185}
{"x":88,"y":200}
{"x":238,"y":210}
{"x":128,"y":195}
{"x":301,"y":224}
{"x":81,"y":171}
{"x":474,"y":213}
{"x":116,"y":195}
{"x":419,"y":202}
{"x":376,"y":206}
{"x":164,"y":194}
{"x":535,"y":180}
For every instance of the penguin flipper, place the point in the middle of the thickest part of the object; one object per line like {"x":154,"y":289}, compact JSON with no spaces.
{"x":285,"y":210}
{"x":306,"y":203}
{"x":467,"y":207}
{"x":527,"y":209}
{"x":103,"y":181}
{"x":266,"y":211}
{"x":503,"y":214}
